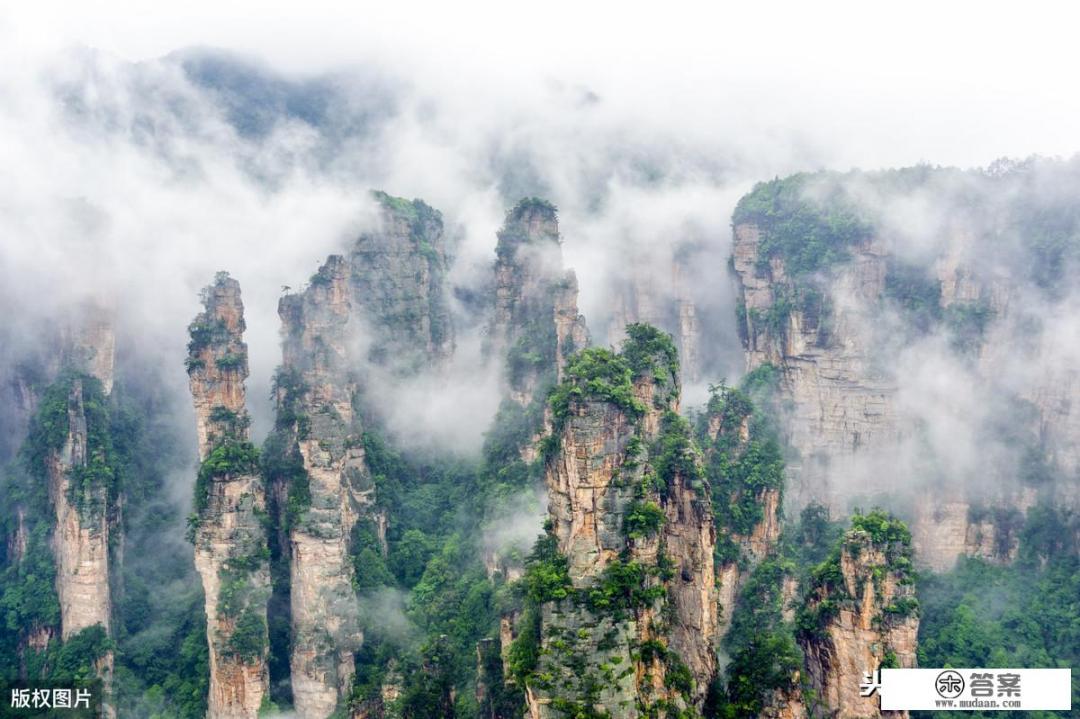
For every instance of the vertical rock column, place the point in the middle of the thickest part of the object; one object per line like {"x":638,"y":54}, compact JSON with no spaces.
{"x":861,"y":613}
{"x":231,"y":551}
{"x":726,"y":438}
{"x":80,"y":474}
{"x":397,"y":278}
{"x":81,"y":539}
{"x":633,"y":631}
{"x":82,"y":486}
{"x":315,"y":390}
{"x":536,"y":325}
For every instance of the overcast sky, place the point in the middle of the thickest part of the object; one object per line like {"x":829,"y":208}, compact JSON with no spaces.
{"x":851,"y":83}
{"x":589,"y":96}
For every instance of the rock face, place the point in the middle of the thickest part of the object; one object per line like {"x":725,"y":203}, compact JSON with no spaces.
{"x":534,"y":328}
{"x":536,"y":325}
{"x":747,"y":536}
{"x":946,"y":530}
{"x":22,"y":372}
{"x":380,"y":308}
{"x":660,"y":297}
{"x":315,"y":394}
{"x":231,"y":552}
{"x":860,"y":614}
{"x":81,"y":537}
{"x":90,"y":342}
{"x":396,"y":279}
{"x":82,"y":488}
{"x":629,"y":511}
{"x":865,"y":321}
{"x":839,"y":402}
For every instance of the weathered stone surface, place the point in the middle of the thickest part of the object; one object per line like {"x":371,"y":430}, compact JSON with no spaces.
{"x":326,"y":433}
{"x":660,"y":296}
{"x":854,"y":431}
{"x":754,"y":546}
{"x":90,"y":342}
{"x":865,"y":629}
{"x":839,"y":401}
{"x":230,"y":540}
{"x":622,"y":661}
{"x":396,"y":281}
{"x":81,"y":536}
{"x":536,"y":324}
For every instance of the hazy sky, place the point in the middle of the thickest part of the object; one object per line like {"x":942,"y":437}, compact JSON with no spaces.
{"x":591,"y":97}
{"x":853,"y":83}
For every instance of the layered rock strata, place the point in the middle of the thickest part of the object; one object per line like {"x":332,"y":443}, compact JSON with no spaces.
{"x":396,"y":277}
{"x":860,"y":614}
{"x":315,"y":393}
{"x":536,"y":325}
{"x":629,"y":511}
{"x":228,"y":531}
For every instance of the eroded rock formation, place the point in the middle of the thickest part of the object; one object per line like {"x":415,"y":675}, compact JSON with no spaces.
{"x":634,"y":630}
{"x":229,"y":535}
{"x":81,"y":537}
{"x":863,"y":331}
{"x":396,"y":278}
{"x":860,"y":614}
{"x":660,"y":296}
{"x":536,"y":325}
{"x":315,"y":395}
{"x":83,"y":490}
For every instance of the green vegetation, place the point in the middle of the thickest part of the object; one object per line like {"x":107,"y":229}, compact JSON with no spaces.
{"x":159,"y":639}
{"x":433,"y":564}
{"x":624,"y":585}
{"x":762,"y":647}
{"x":643,"y":519}
{"x":28,"y":600}
{"x":676,"y":455}
{"x":650,"y":350}
{"x":514,"y":231}
{"x":915,"y":292}
{"x":530,"y":203}
{"x":967,"y":323}
{"x":230,"y":361}
{"x":205,"y":333}
{"x":401,"y":333}
{"x":533,"y":353}
{"x":599,"y":374}
{"x":233,"y":458}
{"x":807,"y":220}
{"x":826,"y":588}
{"x":1020,"y":615}
{"x":596,"y":374}
{"x":810,"y":224}
{"x":740,"y":468}
{"x":248,"y":638}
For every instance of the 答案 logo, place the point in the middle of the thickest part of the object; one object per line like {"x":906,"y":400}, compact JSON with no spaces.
{"x":949,"y":684}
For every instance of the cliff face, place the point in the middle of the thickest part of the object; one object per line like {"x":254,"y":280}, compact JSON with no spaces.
{"x":662,"y":297}
{"x":90,"y":342}
{"x":83,"y":491}
{"x":81,"y":537}
{"x":231,"y":552}
{"x":742,"y":461}
{"x":865,"y":320}
{"x":942,"y":531}
{"x":536,"y":325}
{"x":315,"y":395}
{"x":840,"y":402}
{"x":396,"y":278}
{"x":80,"y":475}
{"x":629,"y":510}
{"x":860,"y":614}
